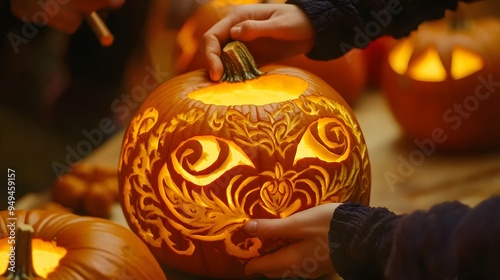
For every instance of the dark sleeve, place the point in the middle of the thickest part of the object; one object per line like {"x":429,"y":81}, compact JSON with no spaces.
{"x":341,"y":25}
{"x":449,"y":241}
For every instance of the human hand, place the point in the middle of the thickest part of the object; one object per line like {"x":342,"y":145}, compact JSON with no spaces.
{"x":64,"y":15}
{"x":309,"y":257}
{"x":270,"y":31}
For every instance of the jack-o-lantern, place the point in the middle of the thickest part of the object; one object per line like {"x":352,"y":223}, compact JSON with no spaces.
{"x":40,"y":244}
{"x":442,"y":83}
{"x":200,"y":158}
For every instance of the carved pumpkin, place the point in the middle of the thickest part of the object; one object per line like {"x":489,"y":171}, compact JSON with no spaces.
{"x":201,"y":158}
{"x":442,"y":83}
{"x":58,"y":245}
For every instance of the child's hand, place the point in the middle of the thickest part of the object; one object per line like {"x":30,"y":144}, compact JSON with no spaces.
{"x":64,"y":15}
{"x":309,"y":257}
{"x":271,"y":32}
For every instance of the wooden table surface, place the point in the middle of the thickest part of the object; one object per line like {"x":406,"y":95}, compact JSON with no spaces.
{"x":424,"y":182}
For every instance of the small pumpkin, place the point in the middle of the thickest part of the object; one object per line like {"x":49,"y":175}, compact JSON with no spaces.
{"x":442,"y":83}
{"x":40,"y":244}
{"x":200,"y":158}
{"x":87,"y":190}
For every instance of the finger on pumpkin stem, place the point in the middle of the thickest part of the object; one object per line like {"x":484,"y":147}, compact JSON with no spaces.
{"x":238,"y":63}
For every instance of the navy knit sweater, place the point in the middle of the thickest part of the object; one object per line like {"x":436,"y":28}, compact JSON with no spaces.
{"x":449,"y":241}
{"x":341,"y":25}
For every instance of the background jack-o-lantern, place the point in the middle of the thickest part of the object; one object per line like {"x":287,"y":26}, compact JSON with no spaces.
{"x":200,"y":158}
{"x":57,"y":245}
{"x":442,"y":83}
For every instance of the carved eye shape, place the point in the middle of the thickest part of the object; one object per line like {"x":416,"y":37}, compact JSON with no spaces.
{"x":428,"y":66}
{"x":203,"y":159}
{"x":464,"y":63}
{"x":326,"y":139}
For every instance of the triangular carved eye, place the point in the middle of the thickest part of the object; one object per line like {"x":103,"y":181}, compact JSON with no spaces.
{"x":465,"y":63}
{"x":203,"y":159}
{"x":326,"y":139}
{"x":400,"y":56}
{"x":428,"y":66}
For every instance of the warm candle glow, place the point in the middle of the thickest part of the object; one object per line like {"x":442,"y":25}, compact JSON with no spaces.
{"x":399,"y":57}
{"x":464,"y":63}
{"x":428,"y":67}
{"x":264,"y":90}
{"x":327,"y":140}
{"x":208,"y":156}
{"x":46,"y":256}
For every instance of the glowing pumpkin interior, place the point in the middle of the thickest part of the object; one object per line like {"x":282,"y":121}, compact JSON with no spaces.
{"x":45,"y":255}
{"x":428,"y":66}
{"x":264,"y":90}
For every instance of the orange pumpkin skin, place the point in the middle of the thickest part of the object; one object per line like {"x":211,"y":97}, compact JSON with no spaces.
{"x":454,"y":114}
{"x":375,"y":54}
{"x":96,"y":248}
{"x":190,"y":214}
{"x":347,"y":74}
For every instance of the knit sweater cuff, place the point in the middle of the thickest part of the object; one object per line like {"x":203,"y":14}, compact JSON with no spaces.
{"x":328,"y":35}
{"x":341,"y":25}
{"x":360,"y":240}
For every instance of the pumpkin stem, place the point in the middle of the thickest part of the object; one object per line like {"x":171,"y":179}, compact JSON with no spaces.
{"x":239,"y":64}
{"x":460,"y":23}
{"x":459,"y":19}
{"x":21,"y":267}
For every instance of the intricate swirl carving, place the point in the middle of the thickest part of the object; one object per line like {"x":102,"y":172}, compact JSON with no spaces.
{"x":203,"y":159}
{"x":326,"y":139}
{"x":207,"y":195}
{"x":276,"y":135}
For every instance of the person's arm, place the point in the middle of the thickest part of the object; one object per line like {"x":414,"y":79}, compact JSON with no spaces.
{"x":449,"y":241}
{"x":341,"y":25}
{"x":323,"y":29}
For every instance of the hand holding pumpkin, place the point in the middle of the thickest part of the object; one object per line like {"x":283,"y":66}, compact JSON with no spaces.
{"x":311,"y":228}
{"x":271,"y":31}
{"x":62,"y":15}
